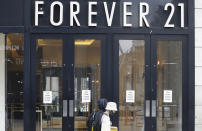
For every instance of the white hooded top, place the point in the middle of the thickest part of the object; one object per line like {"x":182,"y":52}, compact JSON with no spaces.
{"x":106,"y":123}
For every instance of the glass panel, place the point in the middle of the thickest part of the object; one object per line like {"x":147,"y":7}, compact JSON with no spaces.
{"x":2,"y":83}
{"x":131,"y":81}
{"x":49,"y":85}
{"x":15,"y":82}
{"x":86,"y":77}
{"x":169,"y":85}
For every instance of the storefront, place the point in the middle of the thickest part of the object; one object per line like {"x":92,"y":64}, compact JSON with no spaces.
{"x":58,"y":58}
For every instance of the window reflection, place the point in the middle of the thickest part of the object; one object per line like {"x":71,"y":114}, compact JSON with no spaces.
{"x":49,"y":82}
{"x":169,"y":77}
{"x":131,"y":78}
{"x":15,"y":82}
{"x":86,"y":77}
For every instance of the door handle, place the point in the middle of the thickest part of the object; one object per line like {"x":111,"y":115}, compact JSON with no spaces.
{"x":64,"y":108}
{"x":153,"y":108}
{"x":71,"y":108}
{"x":147,"y":110}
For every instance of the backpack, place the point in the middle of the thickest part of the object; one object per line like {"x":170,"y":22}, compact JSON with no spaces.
{"x":94,"y":121}
{"x":90,"y":120}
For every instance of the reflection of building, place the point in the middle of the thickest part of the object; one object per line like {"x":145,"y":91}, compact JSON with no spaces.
{"x":131,"y":71}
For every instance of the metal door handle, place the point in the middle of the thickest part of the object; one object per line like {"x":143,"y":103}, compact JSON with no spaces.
{"x":64,"y":108}
{"x":153,"y":108}
{"x":71,"y":108}
{"x":147,"y":110}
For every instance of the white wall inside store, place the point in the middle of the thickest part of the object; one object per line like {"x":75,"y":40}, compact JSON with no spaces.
{"x":2,"y":82}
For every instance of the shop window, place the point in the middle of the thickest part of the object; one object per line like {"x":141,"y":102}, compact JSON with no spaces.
{"x":12,"y":82}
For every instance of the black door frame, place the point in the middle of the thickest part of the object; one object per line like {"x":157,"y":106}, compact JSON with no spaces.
{"x":33,"y":73}
{"x":68,"y":71}
{"x":146,"y":38}
{"x":185,"y":87}
{"x":69,"y":126}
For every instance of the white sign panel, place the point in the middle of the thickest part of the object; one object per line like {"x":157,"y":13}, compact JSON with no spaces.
{"x":168,"y":96}
{"x":86,"y":96}
{"x":130,"y":96}
{"x":47,"y":97}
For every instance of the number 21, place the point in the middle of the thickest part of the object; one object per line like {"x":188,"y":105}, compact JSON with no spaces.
{"x":181,"y":5}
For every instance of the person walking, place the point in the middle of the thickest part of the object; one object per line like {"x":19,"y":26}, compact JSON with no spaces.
{"x":111,"y":108}
{"x":94,"y":120}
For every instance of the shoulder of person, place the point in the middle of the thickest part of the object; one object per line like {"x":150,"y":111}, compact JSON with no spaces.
{"x":99,"y":113}
{"x":105,"y":117}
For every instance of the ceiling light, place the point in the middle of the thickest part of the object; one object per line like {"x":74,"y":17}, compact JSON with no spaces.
{"x":84,"y":42}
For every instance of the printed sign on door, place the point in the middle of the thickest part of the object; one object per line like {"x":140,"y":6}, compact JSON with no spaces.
{"x":130,"y":96}
{"x":86,"y":96}
{"x":168,"y":96}
{"x":47,"y":97}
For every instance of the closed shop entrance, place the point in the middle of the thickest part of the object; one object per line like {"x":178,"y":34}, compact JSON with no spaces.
{"x":66,"y":80}
{"x":59,"y":57}
{"x":151,"y":76}
{"x":148,"y":78}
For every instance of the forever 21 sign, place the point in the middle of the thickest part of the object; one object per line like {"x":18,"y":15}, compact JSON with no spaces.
{"x":74,"y":10}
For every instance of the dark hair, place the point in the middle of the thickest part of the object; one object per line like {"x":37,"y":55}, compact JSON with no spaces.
{"x":102,"y":103}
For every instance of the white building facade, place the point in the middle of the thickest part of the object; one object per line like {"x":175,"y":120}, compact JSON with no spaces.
{"x":198,"y":65}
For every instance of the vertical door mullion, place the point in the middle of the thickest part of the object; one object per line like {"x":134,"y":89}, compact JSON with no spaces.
{"x":153,"y":84}
{"x":28,"y":108}
{"x":68,"y":76}
{"x":147,"y":83}
{"x":33,"y":82}
{"x":185,"y":89}
{"x":116,"y":74}
{"x":64,"y":85}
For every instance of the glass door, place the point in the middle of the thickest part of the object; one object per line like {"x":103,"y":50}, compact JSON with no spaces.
{"x":169,"y":84}
{"x":133,"y":74}
{"x":48,"y":82}
{"x":85,"y":80}
{"x":66,"y":80}
{"x":152,"y":78}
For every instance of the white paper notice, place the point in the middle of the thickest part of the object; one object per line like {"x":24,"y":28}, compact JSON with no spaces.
{"x":86,"y":96}
{"x":47,"y":97}
{"x":168,"y":96}
{"x":130,"y":96}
